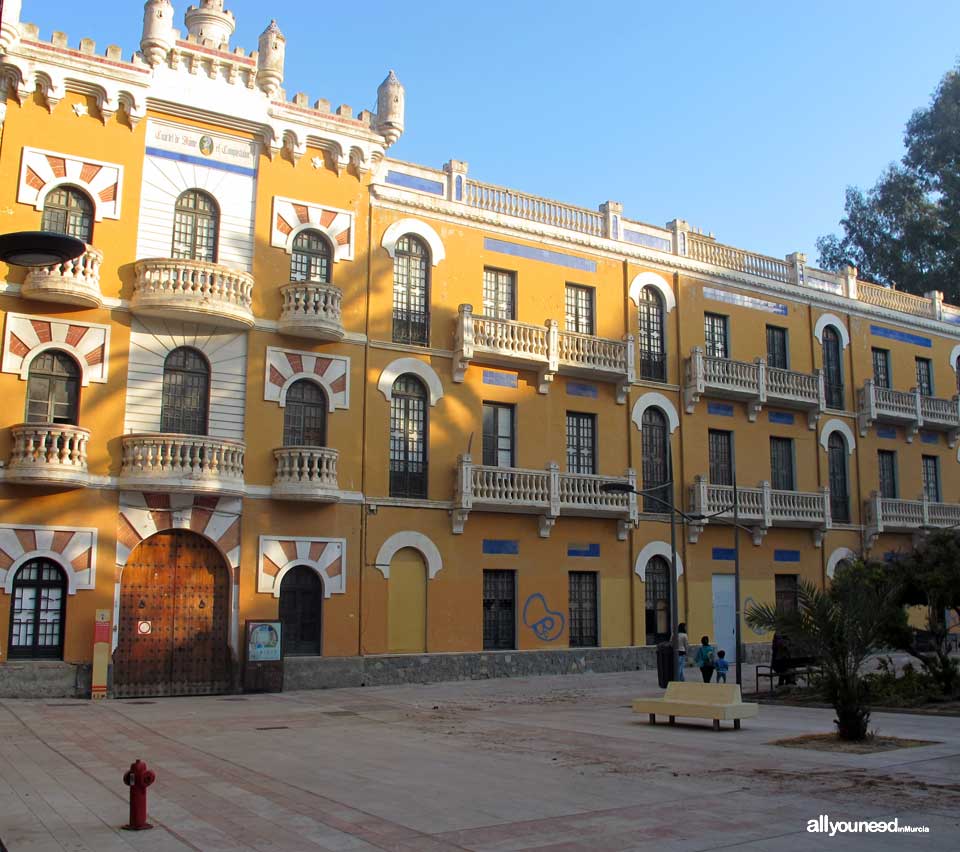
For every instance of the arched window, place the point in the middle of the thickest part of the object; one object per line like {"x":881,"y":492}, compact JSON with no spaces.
{"x":186,"y":392}
{"x":305,"y":415}
{"x":653,"y":361}
{"x":658,"y":600}
{"x":311,"y":257}
{"x":37,"y":613}
{"x":839,"y":490}
{"x":408,"y":438}
{"x":655,"y":436}
{"x":301,"y":611}
{"x":832,"y":367}
{"x":196,"y":222}
{"x":411,"y":292}
{"x":53,"y":389}
{"x":68,"y":211}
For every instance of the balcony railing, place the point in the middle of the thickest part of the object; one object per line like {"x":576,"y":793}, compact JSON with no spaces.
{"x":910,"y":409}
{"x":709,"y":251}
{"x":761,"y":508}
{"x":884,"y":514}
{"x":190,"y":463}
{"x":544,"y":348}
{"x":193,"y":290}
{"x":48,"y":454}
{"x":548,"y":493}
{"x":510,"y":202}
{"x":755,"y":383}
{"x":73,"y":282}
{"x":312,"y":309}
{"x":306,"y":473}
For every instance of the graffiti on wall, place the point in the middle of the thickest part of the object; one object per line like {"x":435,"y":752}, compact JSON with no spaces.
{"x":546,"y":623}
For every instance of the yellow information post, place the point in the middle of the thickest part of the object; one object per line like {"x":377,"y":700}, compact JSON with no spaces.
{"x":101,"y":654}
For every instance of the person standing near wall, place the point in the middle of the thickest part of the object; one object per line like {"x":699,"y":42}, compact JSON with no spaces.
{"x":680,"y":645}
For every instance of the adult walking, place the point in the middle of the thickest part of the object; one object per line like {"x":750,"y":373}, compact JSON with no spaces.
{"x":680,"y":646}
{"x":705,"y":658}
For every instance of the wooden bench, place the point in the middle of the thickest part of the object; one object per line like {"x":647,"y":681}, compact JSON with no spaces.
{"x":717,"y":701}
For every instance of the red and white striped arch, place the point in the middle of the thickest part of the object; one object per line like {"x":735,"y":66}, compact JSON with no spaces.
{"x":74,"y":549}
{"x":286,"y":366}
{"x":280,"y":554}
{"x":43,"y":171}
{"x":291,"y":217}
{"x":25,"y":337}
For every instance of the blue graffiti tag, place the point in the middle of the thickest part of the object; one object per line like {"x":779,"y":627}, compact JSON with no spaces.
{"x":547,"y":624}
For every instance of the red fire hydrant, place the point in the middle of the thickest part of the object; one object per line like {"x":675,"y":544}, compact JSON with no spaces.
{"x":138,"y":778}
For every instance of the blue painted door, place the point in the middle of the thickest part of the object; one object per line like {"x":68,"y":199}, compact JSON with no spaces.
{"x":724,"y":616}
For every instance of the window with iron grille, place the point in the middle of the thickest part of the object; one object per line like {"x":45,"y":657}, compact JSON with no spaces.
{"x":186,"y":392}
{"x":499,"y":294}
{"x":924,"y":376}
{"x":579,"y":301}
{"x":37,"y":611}
{"x":583,"y":610}
{"x":778,"y":351}
{"x":655,"y":437}
{"x":781,"y":464}
{"x":581,"y":442}
{"x":839,"y":489}
{"x":196,"y":221}
{"x":310,"y":260}
{"x":887,"y":473}
{"x":53,"y":388}
{"x":721,"y":457}
{"x":408,"y":438}
{"x":931,"y":478}
{"x":881,"y":367}
{"x":305,"y":415}
{"x":832,"y":368}
{"x":499,"y":611}
{"x":657,"y":585}
{"x":68,"y":211}
{"x":411,"y":292}
{"x":498,"y":437}
{"x":715,"y":336}
{"x":653,"y":358}
{"x":786,"y":591}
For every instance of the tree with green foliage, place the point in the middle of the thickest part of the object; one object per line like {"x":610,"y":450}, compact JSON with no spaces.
{"x":905,"y":231}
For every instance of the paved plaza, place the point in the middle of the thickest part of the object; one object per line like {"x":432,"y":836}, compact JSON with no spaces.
{"x":552,"y":763}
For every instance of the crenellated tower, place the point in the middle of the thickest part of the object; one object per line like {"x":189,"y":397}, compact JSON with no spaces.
{"x":390,"y":96}
{"x":159,"y":36}
{"x":271,"y":53}
{"x":211,"y":22}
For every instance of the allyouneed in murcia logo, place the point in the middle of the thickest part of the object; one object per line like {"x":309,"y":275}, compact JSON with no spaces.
{"x":824,"y":825}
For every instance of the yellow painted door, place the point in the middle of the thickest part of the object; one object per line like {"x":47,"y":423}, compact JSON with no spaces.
{"x":408,"y":603}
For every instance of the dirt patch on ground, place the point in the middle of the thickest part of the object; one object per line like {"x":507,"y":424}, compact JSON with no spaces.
{"x":831,"y":742}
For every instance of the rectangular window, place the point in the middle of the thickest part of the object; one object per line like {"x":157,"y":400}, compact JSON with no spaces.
{"x":778,"y":352}
{"x":499,"y":294}
{"x":581,"y":442}
{"x":579,"y":302}
{"x":925,"y":376}
{"x":721,"y":457}
{"x":583,"y":609}
{"x":881,"y":368}
{"x":787,"y":598}
{"x":715,"y":336}
{"x":931,"y":478}
{"x":499,"y":610}
{"x":498,"y":436}
{"x":781,"y":464}
{"x":887,"y":473}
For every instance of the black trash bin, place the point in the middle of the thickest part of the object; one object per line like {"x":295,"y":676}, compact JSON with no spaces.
{"x":666,"y":659}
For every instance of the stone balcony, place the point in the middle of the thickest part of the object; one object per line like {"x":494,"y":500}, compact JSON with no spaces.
{"x":909,"y":409}
{"x":48,"y":454}
{"x":754,"y":383}
{"x":311,"y":309}
{"x":890,"y":515}
{"x":544,"y":348}
{"x":306,"y":473}
{"x":73,"y":282}
{"x":184,"y":463}
{"x":547,"y":493}
{"x":760,"y":508}
{"x":193,"y":290}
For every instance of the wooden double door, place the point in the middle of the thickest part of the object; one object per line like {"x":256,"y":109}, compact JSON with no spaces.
{"x":174,"y":619}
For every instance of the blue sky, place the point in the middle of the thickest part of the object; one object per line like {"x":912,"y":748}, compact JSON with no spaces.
{"x":748,"y":120}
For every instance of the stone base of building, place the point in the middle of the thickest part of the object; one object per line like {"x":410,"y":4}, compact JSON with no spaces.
{"x":45,"y":679}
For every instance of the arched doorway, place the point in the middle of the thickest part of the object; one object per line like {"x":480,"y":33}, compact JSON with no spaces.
{"x":174,"y":619}
{"x":407,"y":608}
{"x":301,"y":612}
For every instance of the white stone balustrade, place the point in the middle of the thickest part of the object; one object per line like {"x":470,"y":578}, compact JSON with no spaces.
{"x":72,"y":282}
{"x":910,"y":409}
{"x":187,"y":463}
{"x":760,"y":508}
{"x":193,"y":290}
{"x":894,"y":300}
{"x":708,"y":250}
{"x":884,"y":514}
{"x":544,"y":348}
{"x":548,"y":493}
{"x":48,"y":454}
{"x":509,"y":202}
{"x":312,"y":309}
{"x":753,"y":382}
{"x":306,"y":473}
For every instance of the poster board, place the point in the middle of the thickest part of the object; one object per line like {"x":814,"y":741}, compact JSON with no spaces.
{"x":263,"y":656}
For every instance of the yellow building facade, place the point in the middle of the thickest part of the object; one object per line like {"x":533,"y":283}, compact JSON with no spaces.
{"x":296,"y":382}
